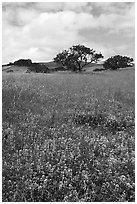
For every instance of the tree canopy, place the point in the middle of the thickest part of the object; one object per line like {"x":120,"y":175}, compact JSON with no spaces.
{"x":118,"y":61}
{"x":77,"y":57}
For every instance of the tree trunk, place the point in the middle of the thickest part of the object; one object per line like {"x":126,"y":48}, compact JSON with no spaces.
{"x":79,"y":66}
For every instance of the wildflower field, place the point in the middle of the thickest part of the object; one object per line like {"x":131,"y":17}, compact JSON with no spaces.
{"x":68,"y":137}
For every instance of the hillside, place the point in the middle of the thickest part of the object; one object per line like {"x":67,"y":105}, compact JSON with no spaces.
{"x":21,"y":69}
{"x":51,"y":65}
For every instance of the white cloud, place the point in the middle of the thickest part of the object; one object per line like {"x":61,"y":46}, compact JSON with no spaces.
{"x":39,"y":33}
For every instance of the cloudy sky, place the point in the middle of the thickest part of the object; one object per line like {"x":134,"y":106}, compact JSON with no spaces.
{"x":38,"y":31}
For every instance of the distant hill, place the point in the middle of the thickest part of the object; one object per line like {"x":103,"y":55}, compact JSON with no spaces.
{"x":51,"y":65}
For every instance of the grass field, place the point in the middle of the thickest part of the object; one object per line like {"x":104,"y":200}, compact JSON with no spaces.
{"x":69,"y":137}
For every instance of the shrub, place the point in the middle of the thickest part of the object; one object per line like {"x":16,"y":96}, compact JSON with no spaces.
{"x":28,"y":71}
{"x":37,"y":67}
{"x":117,"y":61}
{"x":11,"y":70}
{"x":59,"y":68}
{"x":98,"y":69}
{"x":23,"y":62}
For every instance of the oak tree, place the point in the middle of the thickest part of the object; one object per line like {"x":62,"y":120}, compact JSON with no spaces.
{"x":77,"y":57}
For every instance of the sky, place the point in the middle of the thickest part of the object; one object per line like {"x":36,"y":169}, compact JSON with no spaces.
{"x":38,"y":31}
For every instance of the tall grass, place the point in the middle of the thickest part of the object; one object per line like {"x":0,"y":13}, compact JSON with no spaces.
{"x":68,"y":137}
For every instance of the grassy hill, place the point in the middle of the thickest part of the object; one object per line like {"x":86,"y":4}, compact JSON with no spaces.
{"x":21,"y":69}
{"x":51,"y":65}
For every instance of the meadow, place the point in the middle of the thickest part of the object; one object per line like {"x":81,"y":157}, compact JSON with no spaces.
{"x":68,"y":137}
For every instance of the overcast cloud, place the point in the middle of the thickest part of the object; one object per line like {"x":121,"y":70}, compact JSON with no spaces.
{"x":38,"y":31}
